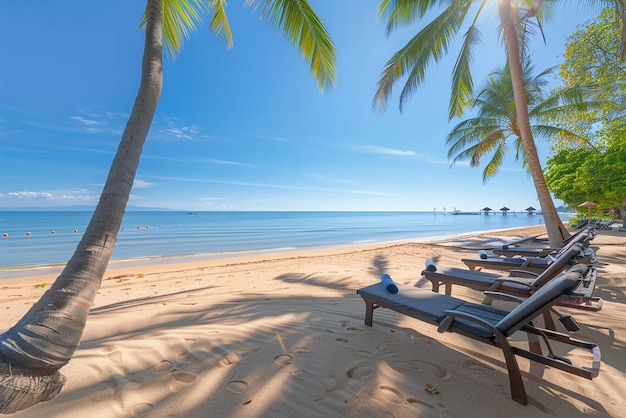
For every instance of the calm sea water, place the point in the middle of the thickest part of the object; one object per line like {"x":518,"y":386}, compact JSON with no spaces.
{"x":153,"y":234}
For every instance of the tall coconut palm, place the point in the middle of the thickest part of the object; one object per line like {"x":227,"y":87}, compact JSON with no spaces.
{"x":433,"y":41}
{"x":490,"y":132}
{"x":44,"y":340}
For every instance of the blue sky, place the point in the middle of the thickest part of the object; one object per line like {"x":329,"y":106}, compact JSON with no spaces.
{"x":239,"y":129}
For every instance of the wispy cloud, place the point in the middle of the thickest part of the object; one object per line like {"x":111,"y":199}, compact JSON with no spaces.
{"x":271,"y":185}
{"x":68,"y":196}
{"x":375,"y":149}
{"x":370,"y":192}
{"x":99,"y":122}
{"x":191,"y":160}
{"x":142,"y":184}
{"x":168,"y":128}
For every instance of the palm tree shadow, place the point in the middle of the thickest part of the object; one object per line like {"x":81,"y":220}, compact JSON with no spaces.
{"x":380,"y":264}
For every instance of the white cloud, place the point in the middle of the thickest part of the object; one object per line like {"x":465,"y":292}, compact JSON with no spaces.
{"x":142,"y":184}
{"x":58,"y":196}
{"x":374,"y":149}
{"x":25,"y":194}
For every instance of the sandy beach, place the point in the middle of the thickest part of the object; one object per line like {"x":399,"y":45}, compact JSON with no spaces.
{"x":283,"y":335}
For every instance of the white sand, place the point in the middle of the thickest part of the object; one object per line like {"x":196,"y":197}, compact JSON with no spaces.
{"x":282,"y":335}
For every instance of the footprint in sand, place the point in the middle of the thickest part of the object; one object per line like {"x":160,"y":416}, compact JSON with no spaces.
{"x":392,"y":394}
{"x":301,"y":350}
{"x":360,"y":371}
{"x":140,"y":409}
{"x":283,"y":359}
{"x":349,"y":327}
{"x":115,"y":357}
{"x":230,"y":359}
{"x":301,"y":374}
{"x":472,"y":365}
{"x":423,"y":366}
{"x":184,"y":377}
{"x":237,"y":386}
{"x":179,"y":380}
{"x":163,"y":367}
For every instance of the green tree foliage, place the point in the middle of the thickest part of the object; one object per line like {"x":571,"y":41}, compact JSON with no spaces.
{"x":594,"y":170}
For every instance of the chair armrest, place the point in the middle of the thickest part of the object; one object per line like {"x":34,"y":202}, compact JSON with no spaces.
{"x":452,"y":315}
{"x":497,"y":284}
{"x":503,"y":296}
{"x":523,"y":273}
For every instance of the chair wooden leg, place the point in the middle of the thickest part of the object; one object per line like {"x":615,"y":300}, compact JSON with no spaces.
{"x":518,"y":392}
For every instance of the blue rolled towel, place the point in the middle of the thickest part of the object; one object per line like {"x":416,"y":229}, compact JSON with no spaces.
{"x":483,"y":254}
{"x":388,"y":283}
{"x":430,"y":265}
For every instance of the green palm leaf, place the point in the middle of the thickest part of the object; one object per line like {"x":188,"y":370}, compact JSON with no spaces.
{"x":305,"y":30}
{"x":180,"y":18}
{"x":431,"y":43}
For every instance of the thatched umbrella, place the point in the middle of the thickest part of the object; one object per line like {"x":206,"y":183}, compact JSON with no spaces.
{"x":487,"y":210}
{"x":588,"y":204}
{"x":530,"y":209}
{"x":504,"y":210}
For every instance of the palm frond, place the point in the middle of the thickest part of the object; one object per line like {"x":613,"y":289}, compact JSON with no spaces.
{"x":403,"y":12}
{"x":303,"y":28}
{"x":462,"y":83}
{"x":493,"y":166}
{"x":219,"y":23}
{"x":180,"y":18}
{"x":431,"y":43}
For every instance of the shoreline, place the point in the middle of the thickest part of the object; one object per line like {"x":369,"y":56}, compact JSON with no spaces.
{"x":46,"y":271}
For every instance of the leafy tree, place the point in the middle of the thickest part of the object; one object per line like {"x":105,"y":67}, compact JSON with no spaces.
{"x":598,"y":172}
{"x":44,"y":340}
{"x":576,"y":175}
{"x":432,"y":42}
{"x":489,"y":133}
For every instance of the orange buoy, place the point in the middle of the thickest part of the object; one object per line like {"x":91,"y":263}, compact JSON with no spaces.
{"x":5,"y":235}
{"x":28,"y":234}
{"x":76,"y":230}
{"x":123,"y":228}
{"x":53,"y":232}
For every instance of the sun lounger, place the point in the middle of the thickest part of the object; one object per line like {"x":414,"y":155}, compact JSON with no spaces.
{"x":490,"y":325}
{"x":583,"y":236}
{"x":533,"y":264}
{"x":518,"y":282}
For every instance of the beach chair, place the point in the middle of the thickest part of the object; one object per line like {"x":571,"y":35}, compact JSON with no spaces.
{"x":518,"y":282}
{"x":532,"y":264}
{"x":491,"y":325}
{"x":584,"y":236}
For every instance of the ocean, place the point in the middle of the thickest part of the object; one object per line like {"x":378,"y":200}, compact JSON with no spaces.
{"x":40,"y":238}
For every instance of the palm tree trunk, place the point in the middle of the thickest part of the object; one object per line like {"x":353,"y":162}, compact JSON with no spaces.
{"x":554,"y":227}
{"x":44,"y":340}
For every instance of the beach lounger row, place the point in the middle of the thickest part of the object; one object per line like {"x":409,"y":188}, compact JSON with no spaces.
{"x":539,"y":249}
{"x":494,"y":326}
{"x":518,"y":282}
{"x":536,"y":264}
{"x":567,"y":279}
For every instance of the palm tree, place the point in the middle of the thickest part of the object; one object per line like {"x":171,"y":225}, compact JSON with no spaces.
{"x":44,"y":340}
{"x":489,"y":132}
{"x":433,"y":41}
